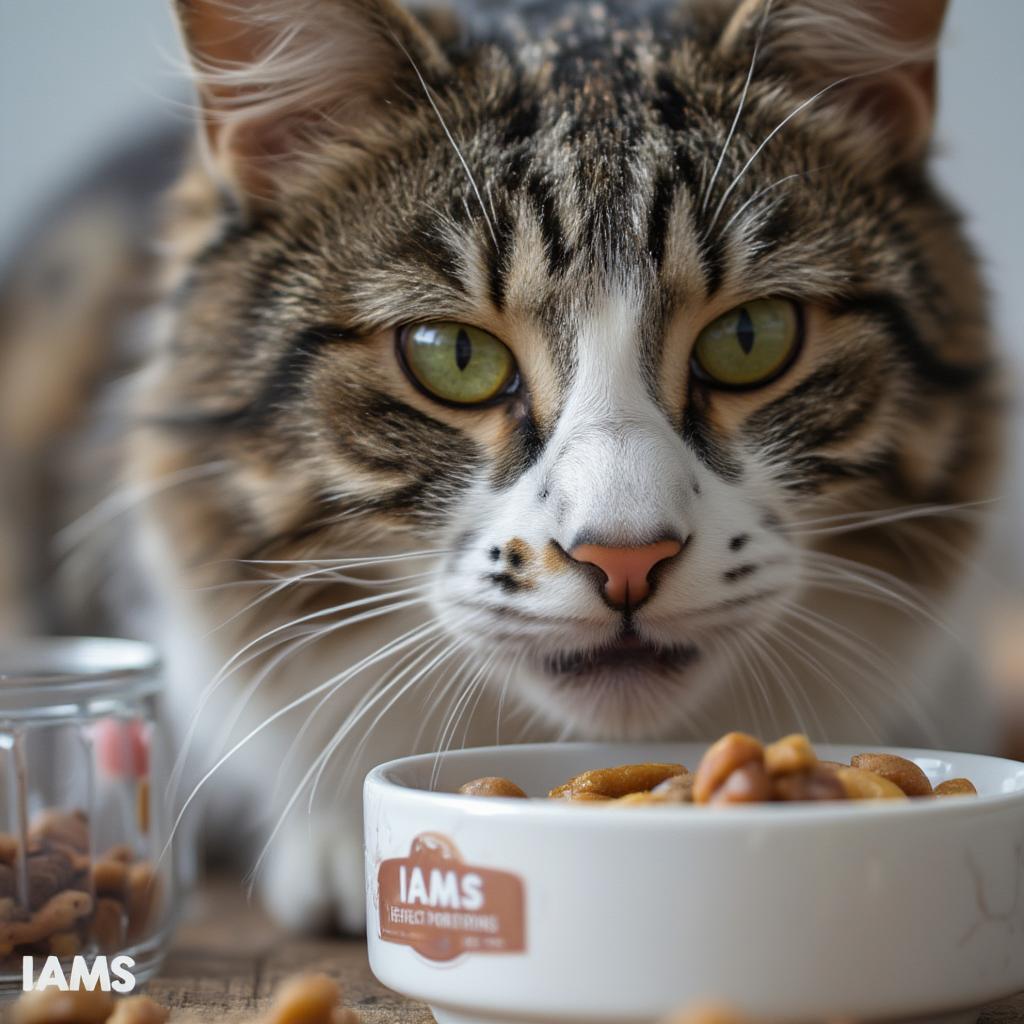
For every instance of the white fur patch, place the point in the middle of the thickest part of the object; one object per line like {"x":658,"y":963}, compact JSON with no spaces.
{"x":615,"y":471}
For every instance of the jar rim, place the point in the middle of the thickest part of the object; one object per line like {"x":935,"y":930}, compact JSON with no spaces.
{"x":45,"y":671}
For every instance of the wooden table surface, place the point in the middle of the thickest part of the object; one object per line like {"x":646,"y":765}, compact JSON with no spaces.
{"x":227,"y":959}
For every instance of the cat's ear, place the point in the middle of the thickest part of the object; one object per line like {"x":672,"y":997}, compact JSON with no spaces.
{"x":278,"y":78}
{"x":875,"y":56}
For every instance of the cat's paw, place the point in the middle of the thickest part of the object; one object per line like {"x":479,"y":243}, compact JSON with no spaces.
{"x":293,"y":882}
{"x":312,"y":880}
{"x":346,"y":868}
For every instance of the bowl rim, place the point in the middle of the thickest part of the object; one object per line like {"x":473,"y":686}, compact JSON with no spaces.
{"x":539,"y":810}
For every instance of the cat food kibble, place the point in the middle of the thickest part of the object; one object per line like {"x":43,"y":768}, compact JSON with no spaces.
{"x":956,"y":787}
{"x":676,"y":789}
{"x":789,"y":755}
{"x":64,"y":945}
{"x":76,"y":903}
{"x":897,"y":770}
{"x":51,"y":1006}
{"x":310,"y":999}
{"x":110,"y":877}
{"x":739,"y":769}
{"x":109,"y":925}
{"x":8,"y":849}
{"x":67,"y":830}
{"x":818,"y":783}
{"x":491,"y":786}
{"x":748,"y":784}
{"x":143,"y":899}
{"x":733,"y":751}
{"x":861,"y":784}
{"x":59,"y":914}
{"x":306,"y":999}
{"x":616,"y":782}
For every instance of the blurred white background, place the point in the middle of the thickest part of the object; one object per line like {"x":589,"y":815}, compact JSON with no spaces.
{"x":77,"y":75}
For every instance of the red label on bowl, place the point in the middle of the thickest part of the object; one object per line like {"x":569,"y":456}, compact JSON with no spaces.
{"x":443,"y":907}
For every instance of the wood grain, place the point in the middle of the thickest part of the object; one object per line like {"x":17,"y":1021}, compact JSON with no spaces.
{"x":227,"y":959}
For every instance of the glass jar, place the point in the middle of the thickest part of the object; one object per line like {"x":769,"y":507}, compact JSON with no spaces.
{"x":85,"y":864}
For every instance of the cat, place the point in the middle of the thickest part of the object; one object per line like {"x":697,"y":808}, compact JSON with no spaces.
{"x":545,"y":370}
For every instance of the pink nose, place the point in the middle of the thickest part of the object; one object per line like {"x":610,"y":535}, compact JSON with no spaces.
{"x":626,"y":570}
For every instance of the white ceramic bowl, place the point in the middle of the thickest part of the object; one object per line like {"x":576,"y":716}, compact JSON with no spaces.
{"x":517,"y":911}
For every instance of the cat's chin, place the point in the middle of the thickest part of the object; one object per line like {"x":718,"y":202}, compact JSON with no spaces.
{"x":625,"y":658}
{"x":627,"y":689}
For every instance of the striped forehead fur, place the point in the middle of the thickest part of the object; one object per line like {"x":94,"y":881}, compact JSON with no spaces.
{"x":552,"y":197}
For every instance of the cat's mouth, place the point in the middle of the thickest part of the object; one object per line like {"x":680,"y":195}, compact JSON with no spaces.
{"x":628,"y":652}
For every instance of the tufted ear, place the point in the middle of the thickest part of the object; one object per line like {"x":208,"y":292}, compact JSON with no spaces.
{"x":278,"y":77}
{"x":884,"y":49}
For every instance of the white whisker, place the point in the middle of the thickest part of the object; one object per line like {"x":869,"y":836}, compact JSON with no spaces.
{"x":764,"y":191}
{"x":739,"y":107}
{"x":851,"y":521}
{"x":451,"y":138}
{"x":411,"y":639}
{"x":315,"y":769}
{"x":123,"y":501}
{"x":351,"y":563}
{"x":211,"y":688}
{"x":230,"y":665}
{"x":800,"y":107}
{"x":822,"y":673}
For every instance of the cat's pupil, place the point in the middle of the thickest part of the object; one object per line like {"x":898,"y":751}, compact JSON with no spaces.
{"x":745,"y":331}
{"x":463,"y":350}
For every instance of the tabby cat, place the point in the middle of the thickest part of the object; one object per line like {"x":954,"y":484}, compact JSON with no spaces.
{"x":547,"y":369}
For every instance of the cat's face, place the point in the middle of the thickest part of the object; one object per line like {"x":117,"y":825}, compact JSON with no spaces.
{"x":608,"y":346}
{"x":620,"y":566}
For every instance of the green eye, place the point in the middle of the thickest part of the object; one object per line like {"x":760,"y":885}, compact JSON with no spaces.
{"x":750,"y":345}
{"x":457,"y":363}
